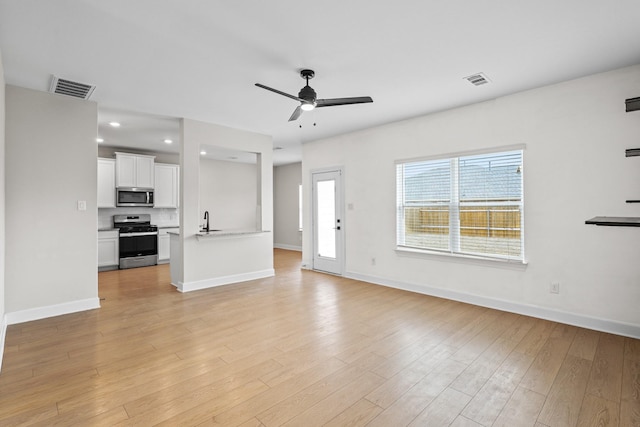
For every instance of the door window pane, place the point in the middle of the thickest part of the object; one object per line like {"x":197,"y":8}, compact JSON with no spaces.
{"x":326,"y":191}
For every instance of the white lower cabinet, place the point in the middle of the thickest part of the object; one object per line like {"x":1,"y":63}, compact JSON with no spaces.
{"x":164,"y":247}
{"x":108,"y":255}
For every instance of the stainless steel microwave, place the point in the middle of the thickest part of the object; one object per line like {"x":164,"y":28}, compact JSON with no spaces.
{"x":134,"y":197}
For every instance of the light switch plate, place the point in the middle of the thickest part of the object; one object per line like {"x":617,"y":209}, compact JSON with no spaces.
{"x":82,"y":205}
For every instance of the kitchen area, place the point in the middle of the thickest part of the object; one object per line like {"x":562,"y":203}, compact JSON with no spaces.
{"x":137,"y":188}
{"x":137,"y":208}
{"x":188,"y":193}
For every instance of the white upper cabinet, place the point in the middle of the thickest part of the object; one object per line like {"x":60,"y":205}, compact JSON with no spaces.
{"x":144,"y":171}
{"x":134,"y":170}
{"x":106,"y":183}
{"x":166,"y":190}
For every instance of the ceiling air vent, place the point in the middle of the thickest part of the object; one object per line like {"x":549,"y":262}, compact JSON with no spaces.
{"x":71,"y":88}
{"x":478,"y":79}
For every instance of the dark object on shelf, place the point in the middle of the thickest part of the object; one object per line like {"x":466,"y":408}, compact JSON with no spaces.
{"x":632,"y":152}
{"x":633,"y":201}
{"x":614,"y":221}
{"x":633,"y":104}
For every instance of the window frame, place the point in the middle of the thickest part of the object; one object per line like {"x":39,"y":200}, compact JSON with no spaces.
{"x":453,"y":250}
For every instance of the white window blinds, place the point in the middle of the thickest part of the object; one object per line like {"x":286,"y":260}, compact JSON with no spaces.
{"x":469,"y":205}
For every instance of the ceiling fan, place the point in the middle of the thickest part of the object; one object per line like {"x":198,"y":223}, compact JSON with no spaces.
{"x":308,"y":100}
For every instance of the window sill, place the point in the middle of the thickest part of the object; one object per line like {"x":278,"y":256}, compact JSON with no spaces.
{"x":459,"y":258}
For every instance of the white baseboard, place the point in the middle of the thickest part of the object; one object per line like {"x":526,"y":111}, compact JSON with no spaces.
{"x":287,"y":247}
{"x":224,"y":280}
{"x":603,"y":325}
{"x":52,"y":310}
{"x":3,"y":334}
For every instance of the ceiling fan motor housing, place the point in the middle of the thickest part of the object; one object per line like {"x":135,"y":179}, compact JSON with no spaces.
{"x":308,"y":94}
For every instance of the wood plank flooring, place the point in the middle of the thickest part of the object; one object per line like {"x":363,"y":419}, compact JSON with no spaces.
{"x":309,"y":349}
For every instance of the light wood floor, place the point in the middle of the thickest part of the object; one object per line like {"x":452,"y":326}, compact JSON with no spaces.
{"x":309,"y":349}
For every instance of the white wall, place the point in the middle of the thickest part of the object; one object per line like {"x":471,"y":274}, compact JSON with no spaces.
{"x":3,"y":322}
{"x":575,"y":168}
{"x":50,"y":166}
{"x":205,"y":262}
{"x":229,"y":192}
{"x":286,"y":232}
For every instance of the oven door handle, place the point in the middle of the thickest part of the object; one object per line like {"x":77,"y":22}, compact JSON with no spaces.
{"x":148,"y":233}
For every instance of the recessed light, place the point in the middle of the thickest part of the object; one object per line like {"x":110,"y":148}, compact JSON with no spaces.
{"x":202,"y":153}
{"x":114,"y":124}
{"x":168,"y":141}
{"x":99,"y":140}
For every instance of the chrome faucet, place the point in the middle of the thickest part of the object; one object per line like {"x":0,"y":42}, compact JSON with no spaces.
{"x":206,"y":217}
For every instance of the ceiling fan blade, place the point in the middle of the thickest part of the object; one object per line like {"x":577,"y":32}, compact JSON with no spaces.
{"x":279,"y":92}
{"x":342,"y":101}
{"x":296,"y":113}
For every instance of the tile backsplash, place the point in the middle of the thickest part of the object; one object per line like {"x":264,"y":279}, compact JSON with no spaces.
{"x":159,"y":217}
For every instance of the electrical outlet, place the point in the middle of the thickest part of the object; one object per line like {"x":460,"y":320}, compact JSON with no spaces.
{"x":554,"y":288}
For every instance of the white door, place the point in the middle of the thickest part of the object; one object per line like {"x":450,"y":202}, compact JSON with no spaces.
{"x":327,"y":222}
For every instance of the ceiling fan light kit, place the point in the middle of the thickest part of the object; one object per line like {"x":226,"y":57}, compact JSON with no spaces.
{"x":308,"y":98}
{"x":307,"y":106}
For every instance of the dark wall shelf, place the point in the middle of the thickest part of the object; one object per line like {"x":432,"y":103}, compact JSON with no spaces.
{"x":614,"y":221}
{"x":633,"y":104}
{"x":618,"y":221}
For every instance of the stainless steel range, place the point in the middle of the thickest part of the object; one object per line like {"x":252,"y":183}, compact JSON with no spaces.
{"x":138,"y":240}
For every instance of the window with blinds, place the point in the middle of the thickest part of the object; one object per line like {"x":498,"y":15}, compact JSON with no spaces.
{"x":468,"y":205}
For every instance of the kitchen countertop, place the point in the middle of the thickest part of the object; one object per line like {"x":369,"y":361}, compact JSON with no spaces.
{"x":226,"y":233}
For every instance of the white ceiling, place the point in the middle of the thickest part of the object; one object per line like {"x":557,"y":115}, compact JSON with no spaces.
{"x":200,"y":58}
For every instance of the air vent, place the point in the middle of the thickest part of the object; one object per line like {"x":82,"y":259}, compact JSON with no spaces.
{"x":70,"y":88}
{"x":478,"y":79}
